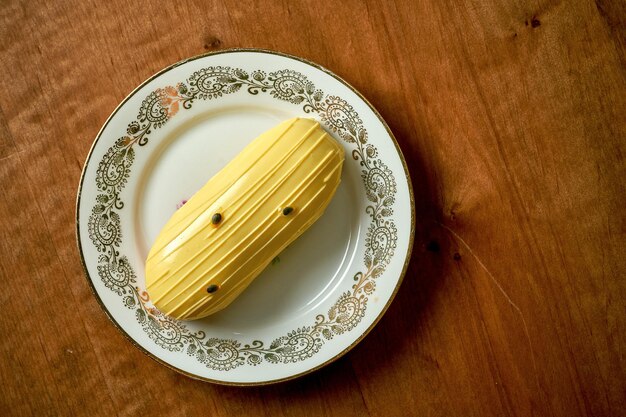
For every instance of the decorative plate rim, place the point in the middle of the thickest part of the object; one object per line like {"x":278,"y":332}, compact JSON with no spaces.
{"x":371,"y":325}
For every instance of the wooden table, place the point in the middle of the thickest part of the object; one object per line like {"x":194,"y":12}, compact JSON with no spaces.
{"x":511,"y":116}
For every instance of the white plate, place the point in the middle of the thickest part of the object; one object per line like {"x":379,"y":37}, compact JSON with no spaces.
{"x":323,"y":294}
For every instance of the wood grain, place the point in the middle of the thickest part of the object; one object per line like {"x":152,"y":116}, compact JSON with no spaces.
{"x":511,"y":117}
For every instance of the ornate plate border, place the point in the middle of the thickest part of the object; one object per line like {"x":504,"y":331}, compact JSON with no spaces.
{"x":212,"y":83}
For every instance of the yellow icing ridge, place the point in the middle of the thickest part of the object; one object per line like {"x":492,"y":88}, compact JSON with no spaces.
{"x":296,"y":164}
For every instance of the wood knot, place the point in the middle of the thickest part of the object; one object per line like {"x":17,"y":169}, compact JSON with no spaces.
{"x":212,"y":42}
{"x":457,"y":256}
{"x":433,"y":246}
{"x":534,"y":22}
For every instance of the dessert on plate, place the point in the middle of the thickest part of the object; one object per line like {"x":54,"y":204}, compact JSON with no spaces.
{"x":212,"y":248}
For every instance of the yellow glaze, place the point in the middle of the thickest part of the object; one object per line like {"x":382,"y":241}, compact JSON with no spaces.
{"x":295,"y":164}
